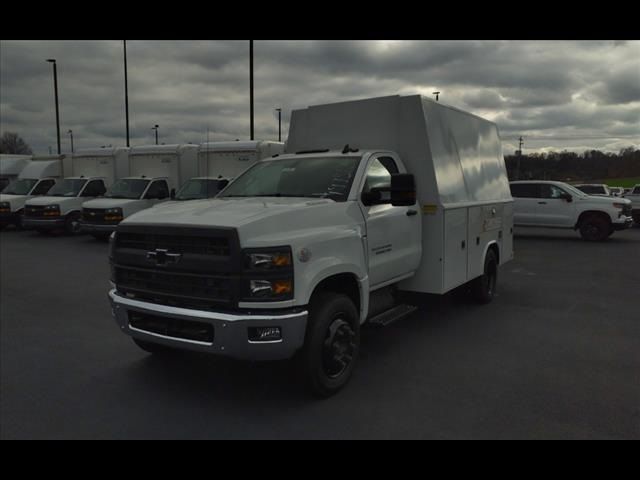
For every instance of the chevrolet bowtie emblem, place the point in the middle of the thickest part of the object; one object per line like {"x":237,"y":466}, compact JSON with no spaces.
{"x":162,"y":257}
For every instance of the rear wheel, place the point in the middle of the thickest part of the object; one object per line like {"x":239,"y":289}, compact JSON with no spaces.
{"x":483,"y":288}
{"x":332,"y":343}
{"x":595,"y":228}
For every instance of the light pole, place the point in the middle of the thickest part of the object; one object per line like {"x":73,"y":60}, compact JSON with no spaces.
{"x":436,"y":94}
{"x":55,"y":88}
{"x":155,"y":127}
{"x":251,"y":82}
{"x":279,"y":110}
{"x":70,"y":132}
{"x":126,"y":91}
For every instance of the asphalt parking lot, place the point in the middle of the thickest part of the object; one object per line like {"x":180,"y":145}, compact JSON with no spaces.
{"x":556,"y":355}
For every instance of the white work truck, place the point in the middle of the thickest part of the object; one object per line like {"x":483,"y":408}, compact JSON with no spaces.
{"x":88,"y":173}
{"x":153,"y":174}
{"x":375,"y":202}
{"x":551,"y":204}
{"x":634,"y":198}
{"x":35,"y":179}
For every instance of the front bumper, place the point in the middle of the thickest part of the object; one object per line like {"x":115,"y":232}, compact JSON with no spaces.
{"x":43,"y":223}
{"x":7,"y":218}
{"x":97,"y":227}
{"x":622,"y":223}
{"x":230,"y":331}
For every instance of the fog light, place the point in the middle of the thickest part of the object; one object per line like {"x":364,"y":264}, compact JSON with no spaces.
{"x":264,"y":334}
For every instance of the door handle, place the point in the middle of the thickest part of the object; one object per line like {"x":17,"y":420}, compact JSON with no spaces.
{"x":411,"y":213}
{"x":542,"y":203}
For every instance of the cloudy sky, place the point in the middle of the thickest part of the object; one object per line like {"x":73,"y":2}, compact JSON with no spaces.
{"x":556,"y":94}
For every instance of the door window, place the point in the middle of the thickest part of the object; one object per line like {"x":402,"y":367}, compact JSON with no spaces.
{"x":551,"y":191}
{"x":94,"y":188}
{"x":158,"y":190}
{"x":525,"y":190}
{"x":43,"y":187}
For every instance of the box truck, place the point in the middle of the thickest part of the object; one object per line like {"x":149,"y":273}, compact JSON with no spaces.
{"x":88,"y":173}
{"x":153,"y":173}
{"x":374,"y":203}
{"x":10,"y":167}
{"x":36,"y":177}
{"x":219,"y":162}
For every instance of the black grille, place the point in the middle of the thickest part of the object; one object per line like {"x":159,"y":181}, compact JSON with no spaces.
{"x":172,"y":327}
{"x":34,"y":211}
{"x":93,"y":215}
{"x":175,"y":243}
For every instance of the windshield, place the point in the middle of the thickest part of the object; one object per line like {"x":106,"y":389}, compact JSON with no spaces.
{"x":69,"y":187}
{"x":127,"y":188}
{"x":320,"y":177}
{"x":20,"y":186}
{"x":574,"y":190}
{"x":198,"y":188}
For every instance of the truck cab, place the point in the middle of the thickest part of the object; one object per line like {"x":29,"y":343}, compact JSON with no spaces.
{"x":303,"y":248}
{"x":125,"y":197}
{"x":34,"y":180}
{"x":61,"y":207}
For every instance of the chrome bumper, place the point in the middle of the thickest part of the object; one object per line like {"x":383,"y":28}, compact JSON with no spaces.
{"x":230,"y":331}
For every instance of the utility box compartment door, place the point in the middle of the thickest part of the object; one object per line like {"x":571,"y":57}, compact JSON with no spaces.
{"x":455,"y":248}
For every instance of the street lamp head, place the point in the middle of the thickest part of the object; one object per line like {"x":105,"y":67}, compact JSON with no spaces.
{"x":70,"y":131}
{"x":51,"y":60}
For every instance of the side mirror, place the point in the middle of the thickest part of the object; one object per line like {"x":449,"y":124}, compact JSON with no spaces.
{"x":172,"y":194}
{"x":372,"y":197}
{"x":403,"y":190}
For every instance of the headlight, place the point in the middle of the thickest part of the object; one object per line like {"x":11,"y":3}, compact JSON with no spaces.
{"x":268,"y":259}
{"x":113,"y":214}
{"x":5,"y":207}
{"x":52,"y":210}
{"x":271,"y":289}
{"x":619,"y":205}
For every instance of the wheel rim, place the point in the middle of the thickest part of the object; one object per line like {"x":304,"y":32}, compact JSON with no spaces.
{"x":338,"y":348}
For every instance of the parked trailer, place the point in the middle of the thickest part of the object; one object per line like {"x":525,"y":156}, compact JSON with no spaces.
{"x":374,"y":203}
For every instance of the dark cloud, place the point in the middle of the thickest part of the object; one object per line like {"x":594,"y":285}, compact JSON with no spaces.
{"x":545,"y":89}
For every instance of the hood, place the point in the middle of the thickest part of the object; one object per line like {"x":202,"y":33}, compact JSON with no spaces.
{"x":4,"y":197}
{"x":224,"y":213}
{"x":604,"y":200}
{"x":109,"y":202}
{"x":46,"y":200}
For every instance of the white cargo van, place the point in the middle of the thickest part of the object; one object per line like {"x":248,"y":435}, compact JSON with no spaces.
{"x":154,"y":172}
{"x":219,"y":162}
{"x":375,"y":202}
{"x":35,"y":179}
{"x":88,"y":173}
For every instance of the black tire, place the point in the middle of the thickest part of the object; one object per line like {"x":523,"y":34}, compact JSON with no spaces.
{"x":18,"y":221}
{"x":154,"y":348}
{"x":483,"y":288}
{"x":595,"y":228}
{"x":72,"y":223}
{"x":332,"y":343}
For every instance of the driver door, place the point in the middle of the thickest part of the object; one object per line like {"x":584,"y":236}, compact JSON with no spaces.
{"x":394,"y":234}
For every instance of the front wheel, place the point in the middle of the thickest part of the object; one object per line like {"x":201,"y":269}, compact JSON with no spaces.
{"x":483,"y":288}
{"x":332,"y":343}
{"x":595,"y":228}
{"x":72,"y":224}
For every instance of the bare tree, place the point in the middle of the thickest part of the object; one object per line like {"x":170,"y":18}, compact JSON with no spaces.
{"x":12,"y":143}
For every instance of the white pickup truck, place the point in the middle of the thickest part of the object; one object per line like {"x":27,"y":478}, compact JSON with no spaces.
{"x":376,"y":202}
{"x":540,"y":203}
{"x":634,"y":198}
